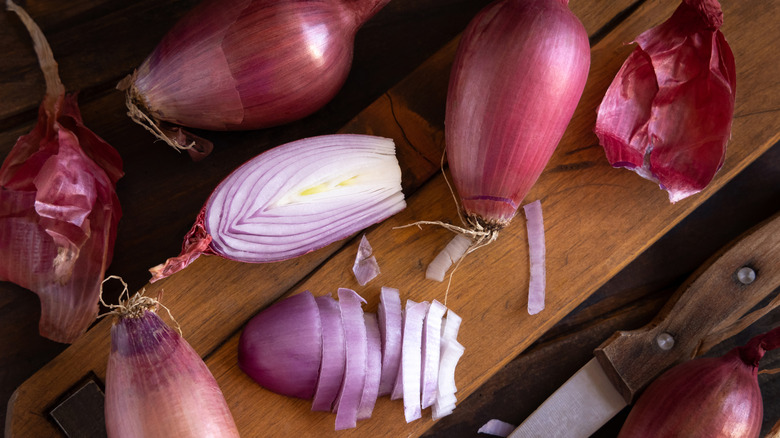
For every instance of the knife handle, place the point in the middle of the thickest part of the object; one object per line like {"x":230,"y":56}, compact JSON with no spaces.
{"x":714,"y":296}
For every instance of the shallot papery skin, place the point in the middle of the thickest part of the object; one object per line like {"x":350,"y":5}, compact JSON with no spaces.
{"x":518,"y":75}
{"x":58,"y":207}
{"x":250,"y":64}
{"x":158,"y":386}
{"x":294,"y":199}
{"x":667,"y":114}
{"x":705,"y":397}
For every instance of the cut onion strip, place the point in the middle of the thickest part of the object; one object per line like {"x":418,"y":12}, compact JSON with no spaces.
{"x":281,"y":347}
{"x":350,"y":304}
{"x":294,"y":199}
{"x":447,"y":257}
{"x":366,"y":267}
{"x":389,"y":314}
{"x":411,"y":358}
{"x":373,"y":367}
{"x":536,"y":255}
{"x":333,"y":354}
{"x":497,"y":428}
{"x":451,"y":351}
{"x":431,"y":352}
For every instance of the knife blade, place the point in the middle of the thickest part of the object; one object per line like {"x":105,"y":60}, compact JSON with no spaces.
{"x":728,"y":286}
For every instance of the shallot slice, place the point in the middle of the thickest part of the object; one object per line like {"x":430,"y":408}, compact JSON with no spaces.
{"x":373,"y":367}
{"x":497,"y":428}
{"x":333,"y":354}
{"x":390,"y":315}
{"x":281,"y":347}
{"x":451,"y":351}
{"x":431,"y":352}
{"x":451,"y":253}
{"x":351,"y":390}
{"x":366,"y":267}
{"x":411,"y":358}
{"x":536,"y":255}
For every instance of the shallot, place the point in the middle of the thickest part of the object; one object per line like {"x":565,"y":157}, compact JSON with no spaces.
{"x":518,"y":74}
{"x":245,"y":64}
{"x":157,"y":386}
{"x":705,"y":397}
{"x":667,"y":114}
{"x":59,"y":210}
{"x":294,"y":199}
{"x":359,"y":352}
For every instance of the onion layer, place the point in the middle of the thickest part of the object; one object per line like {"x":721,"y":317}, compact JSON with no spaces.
{"x":351,"y":390}
{"x":333,"y":354}
{"x":294,"y":199}
{"x":390,"y":315}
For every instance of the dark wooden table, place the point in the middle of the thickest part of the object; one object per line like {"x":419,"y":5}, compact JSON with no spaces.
{"x":97,"y":42}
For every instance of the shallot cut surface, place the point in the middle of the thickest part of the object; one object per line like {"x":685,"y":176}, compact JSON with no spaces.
{"x":294,"y":199}
{"x":667,"y":114}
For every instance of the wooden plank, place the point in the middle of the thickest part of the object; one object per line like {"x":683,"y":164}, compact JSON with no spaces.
{"x":573,"y":206}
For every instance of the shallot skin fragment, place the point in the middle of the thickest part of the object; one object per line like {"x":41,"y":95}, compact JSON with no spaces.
{"x":667,"y":114}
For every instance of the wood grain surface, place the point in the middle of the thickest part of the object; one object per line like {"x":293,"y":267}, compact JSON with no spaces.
{"x":598,"y":219}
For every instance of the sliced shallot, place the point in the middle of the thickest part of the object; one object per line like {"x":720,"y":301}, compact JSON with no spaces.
{"x":536,"y":255}
{"x":450,"y":255}
{"x":333,"y":354}
{"x":366,"y":267}
{"x":390,"y":315}
{"x":431,"y":352}
{"x":451,"y":351}
{"x":294,"y":199}
{"x":351,"y":390}
{"x":411,"y":358}
{"x":281,"y":347}
{"x":373,"y":367}
{"x":497,"y":428}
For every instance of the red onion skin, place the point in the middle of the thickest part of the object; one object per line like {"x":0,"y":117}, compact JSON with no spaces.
{"x":706,"y":397}
{"x":518,"y":75}
{"x":245,"y":64}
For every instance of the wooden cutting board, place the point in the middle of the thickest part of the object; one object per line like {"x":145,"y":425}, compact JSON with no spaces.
{"x":597,"y":219}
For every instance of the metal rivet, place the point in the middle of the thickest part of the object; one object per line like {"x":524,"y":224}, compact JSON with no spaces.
{"x":665,"y":341}
{"x":746,"y":275}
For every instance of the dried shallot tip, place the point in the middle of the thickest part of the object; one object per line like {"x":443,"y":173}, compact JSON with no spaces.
{"x":705,"y":397}
{"x":667,"y":114}
{"x":244,"y":64}
{"x":294,"y":199}
{"x":333,"y":355}
{"x":281,"y":347}
{"x":390,"y":316}
{"x":454,"y":251}
{"x":366,"y":267}
{"x":157,"y":385}
{"x":59,"y":210}
{"x":497,"y":428}
{"x":348,"y":399}
{"x":431,"y":353}
{"x":536,"y":255}
{"x":373,"y":367}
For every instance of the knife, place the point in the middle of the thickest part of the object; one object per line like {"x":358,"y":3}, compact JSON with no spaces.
{"x":716,"y":296}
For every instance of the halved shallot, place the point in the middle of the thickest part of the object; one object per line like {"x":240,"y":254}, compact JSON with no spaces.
{"x":294,"y":199}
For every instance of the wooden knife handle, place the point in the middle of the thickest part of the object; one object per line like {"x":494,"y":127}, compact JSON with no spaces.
{"x":713,"y":294}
